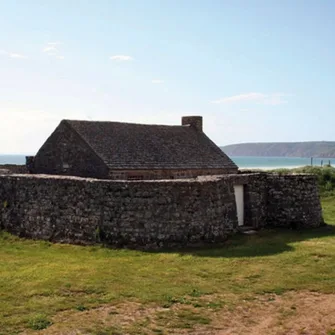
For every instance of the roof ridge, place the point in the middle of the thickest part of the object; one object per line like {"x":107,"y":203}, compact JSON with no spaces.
{"x":130,"y":123}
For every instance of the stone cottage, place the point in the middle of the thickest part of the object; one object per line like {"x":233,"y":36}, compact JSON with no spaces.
{"x":127,"y":151}
{"x":201,"y":197}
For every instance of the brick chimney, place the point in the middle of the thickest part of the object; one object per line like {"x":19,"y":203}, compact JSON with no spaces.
{"x":193,"y":121}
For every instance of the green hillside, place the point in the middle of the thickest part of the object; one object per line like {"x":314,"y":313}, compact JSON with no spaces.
{"x":289,"y":149}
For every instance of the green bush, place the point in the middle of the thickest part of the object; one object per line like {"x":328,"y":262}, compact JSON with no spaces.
{"x":39,"y":322}
{"x":81,"y":308}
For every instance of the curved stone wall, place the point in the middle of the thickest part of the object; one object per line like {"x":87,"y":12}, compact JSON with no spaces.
{"x":293,"y":201}
{"x":149,"y":214}
{"x":12,"y":168}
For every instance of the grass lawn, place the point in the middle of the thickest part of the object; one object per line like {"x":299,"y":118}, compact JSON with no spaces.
{"x":68,"y":289}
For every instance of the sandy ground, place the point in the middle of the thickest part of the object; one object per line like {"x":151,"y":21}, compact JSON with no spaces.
{"x":293,"y":313}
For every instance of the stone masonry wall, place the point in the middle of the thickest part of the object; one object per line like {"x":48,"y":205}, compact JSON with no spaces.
{"x":149,"y":214}
{"x":12,"y":168}
{"x":155,"y":174}
{"x":255,"y":198}
{"x":145,"y":214}
{"x":293,"y":201}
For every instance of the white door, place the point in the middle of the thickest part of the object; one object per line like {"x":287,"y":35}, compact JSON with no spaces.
{"x":239,"y":199}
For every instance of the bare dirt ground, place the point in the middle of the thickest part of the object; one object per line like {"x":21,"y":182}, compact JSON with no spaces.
{"x":303,"y":313}
{"x":293,"y":313}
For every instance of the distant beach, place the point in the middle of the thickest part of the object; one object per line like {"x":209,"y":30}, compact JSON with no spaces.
{"x":243,"y":162}
{"x":266,"y":163}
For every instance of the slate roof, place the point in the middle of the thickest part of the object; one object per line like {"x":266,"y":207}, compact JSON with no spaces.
{"x":141,"y":146}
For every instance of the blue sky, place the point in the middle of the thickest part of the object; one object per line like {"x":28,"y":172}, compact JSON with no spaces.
{"x":256,"y":71}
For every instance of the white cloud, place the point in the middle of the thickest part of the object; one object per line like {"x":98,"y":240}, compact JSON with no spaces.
{"x":276,"y":99}
{"x":121,"y":58}
{"x":54,"y":43}
{"x":260,"y":98}
{"x":51,"y":49}
{"x":157,"y":81}
{"x":12,"y":54}
{"x":240,"y":97}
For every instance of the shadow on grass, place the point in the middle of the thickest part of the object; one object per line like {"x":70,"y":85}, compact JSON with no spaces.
{"x":265,"y":242}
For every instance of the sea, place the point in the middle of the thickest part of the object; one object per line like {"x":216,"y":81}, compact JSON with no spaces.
{"x":243,"y":162}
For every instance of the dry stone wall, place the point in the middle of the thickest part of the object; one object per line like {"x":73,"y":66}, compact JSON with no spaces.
{"x":255,"y":198}
{"x":145,"y":214}
{"x":293,"y":201}
{"x":150,"y":214}
{"x":12,"y":168}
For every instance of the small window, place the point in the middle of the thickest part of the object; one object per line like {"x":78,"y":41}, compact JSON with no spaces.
{"x":66,"y":166}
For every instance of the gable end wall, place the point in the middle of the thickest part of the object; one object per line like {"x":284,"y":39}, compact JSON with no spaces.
{"x":65,"y":153}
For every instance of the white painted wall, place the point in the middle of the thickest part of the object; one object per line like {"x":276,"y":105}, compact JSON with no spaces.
{"x":239,"y":198}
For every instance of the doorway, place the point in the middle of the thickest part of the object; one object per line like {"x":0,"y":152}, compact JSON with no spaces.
{"x":239,"y":199}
